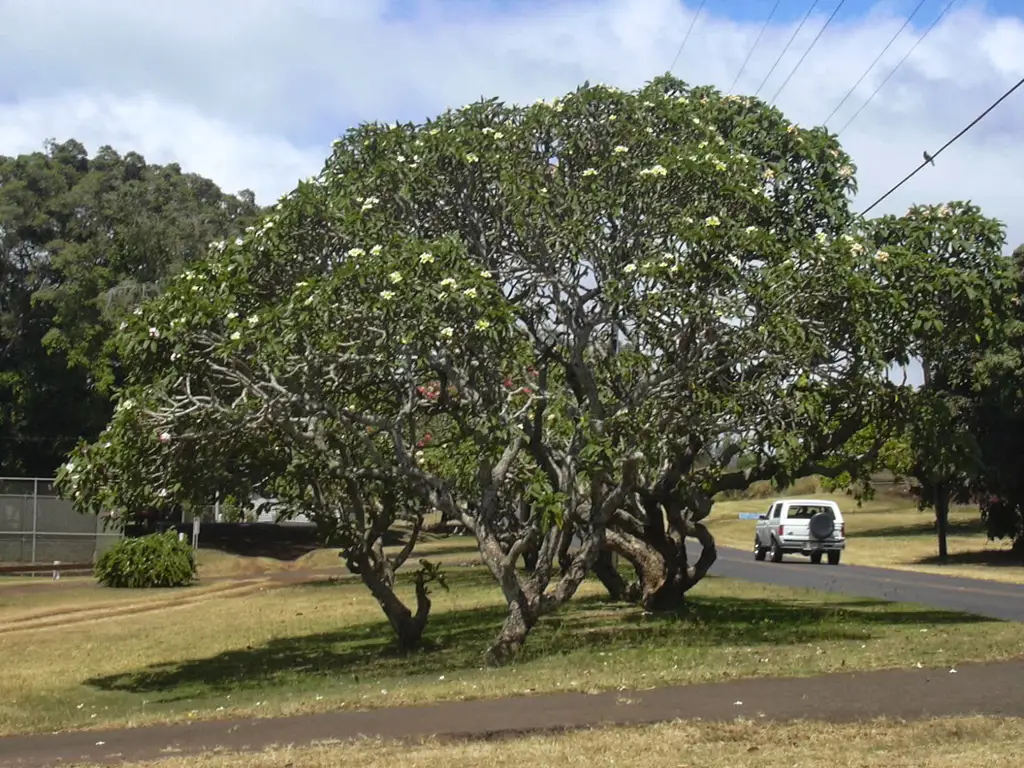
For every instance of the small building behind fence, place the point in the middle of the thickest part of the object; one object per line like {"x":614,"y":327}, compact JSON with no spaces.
{"x":38,"y":527}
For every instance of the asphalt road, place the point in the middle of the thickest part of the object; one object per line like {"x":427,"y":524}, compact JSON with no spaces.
{"x":992,"y":599}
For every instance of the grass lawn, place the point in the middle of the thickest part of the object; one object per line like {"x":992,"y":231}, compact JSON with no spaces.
{"x":324,"y":646}
{"x":890,"y":532}
{"x":947,"y":743}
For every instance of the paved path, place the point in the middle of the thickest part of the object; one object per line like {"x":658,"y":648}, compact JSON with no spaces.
{"x":993,"y":599}
{"x":976,"y":689}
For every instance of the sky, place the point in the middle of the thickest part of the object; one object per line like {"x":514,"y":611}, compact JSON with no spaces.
{"x":252,"y":92}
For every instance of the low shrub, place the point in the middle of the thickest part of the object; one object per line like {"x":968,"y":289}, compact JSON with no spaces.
{"x":156,"y":560}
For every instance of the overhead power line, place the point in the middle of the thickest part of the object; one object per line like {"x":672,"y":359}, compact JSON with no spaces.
{"x":900,"y":64}
{"x":754,"y":46}
{"x":796,"y":32}
{"x":813,"y":43}
{"x":872,"y":65}
{"x":929,"y":158}
{"x":687,"y":36}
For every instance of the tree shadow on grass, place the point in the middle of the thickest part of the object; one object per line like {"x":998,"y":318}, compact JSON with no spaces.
{"x":997,"y":558}
{"x":588,"y":626}
{"x":925,"y":528}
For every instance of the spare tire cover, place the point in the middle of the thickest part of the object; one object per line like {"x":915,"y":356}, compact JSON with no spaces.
{"x":822,"y":525}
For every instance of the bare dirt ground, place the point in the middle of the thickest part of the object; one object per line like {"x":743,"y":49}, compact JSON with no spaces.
{"x":977,"y":689}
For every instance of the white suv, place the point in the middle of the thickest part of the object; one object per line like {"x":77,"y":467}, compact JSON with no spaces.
{"x":801,"y":526}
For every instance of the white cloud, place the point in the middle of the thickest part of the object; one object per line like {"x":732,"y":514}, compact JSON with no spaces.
{"x":250,"y":92}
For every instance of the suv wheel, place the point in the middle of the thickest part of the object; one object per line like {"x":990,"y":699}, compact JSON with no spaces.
{"x":833,"y":557}
{"x":776,"y":551}
{"x":759,"y":551}
{"x":816,"y":557}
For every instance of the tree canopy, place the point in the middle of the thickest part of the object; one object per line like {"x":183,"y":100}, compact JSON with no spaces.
{"x":82,"y":241}
{"x":559,"y":323}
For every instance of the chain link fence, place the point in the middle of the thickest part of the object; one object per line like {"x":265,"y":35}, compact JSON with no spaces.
{"x":38,"y":527}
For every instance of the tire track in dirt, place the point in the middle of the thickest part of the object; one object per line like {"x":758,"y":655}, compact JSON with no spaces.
{"x":76,"y":617}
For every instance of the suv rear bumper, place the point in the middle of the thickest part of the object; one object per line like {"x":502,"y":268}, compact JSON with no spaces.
{"x":809,"y":547}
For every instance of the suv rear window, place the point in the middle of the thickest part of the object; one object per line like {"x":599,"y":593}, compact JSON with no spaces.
{"x":807,"y":511}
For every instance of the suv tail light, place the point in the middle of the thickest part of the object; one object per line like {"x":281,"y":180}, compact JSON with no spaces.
{"x":842,"y":530}
{"x":782,"y":530}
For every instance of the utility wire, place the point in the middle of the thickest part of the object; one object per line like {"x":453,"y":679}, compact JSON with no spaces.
{"x":872,"y":65}
{"x":900,"y":64}
{"x":754,"y":46}
{"x":929,"y":158}
{"x":813,"y":43}
{"x":796,"y":32}
{"x":687,"y":37}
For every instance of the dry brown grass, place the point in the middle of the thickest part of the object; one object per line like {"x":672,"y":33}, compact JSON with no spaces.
{"x":319,"y":648}
{"x":945,"y":743}
{"x":890,"y":532}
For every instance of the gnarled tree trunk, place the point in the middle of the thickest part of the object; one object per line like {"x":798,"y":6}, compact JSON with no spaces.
{"x":379,"y":578}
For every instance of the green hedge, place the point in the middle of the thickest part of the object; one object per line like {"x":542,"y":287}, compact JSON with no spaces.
{"x":157,"y":560}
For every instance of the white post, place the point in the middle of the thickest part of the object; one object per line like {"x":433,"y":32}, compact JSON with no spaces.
{"x":35,"y":516}
{"x":56,"y":572}
{"x":195,"y":533}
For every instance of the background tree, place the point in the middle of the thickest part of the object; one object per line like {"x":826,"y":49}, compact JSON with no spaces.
{"x":955,"y":307}
{"x":82,"y":241}
{"x":998,"y":424}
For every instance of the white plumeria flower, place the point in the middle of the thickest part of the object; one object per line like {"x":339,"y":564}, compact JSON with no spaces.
{"x":482,"y":325}
{"x":620,"y":150}
{"x":612,"y":118}
{"x":882,"y":256}
{"x":301,"y":284}
{"x":857,"y":248}
{"x":471,"y":157}
{"x":487,"y":129}
{"x":485,"y":274}
{"x":821,"y":238}
{"x":655,"y":170}
{"x":448,"y":332}
{"x":469,"y":293}
{"x":590,"y":172}
{"x":376,"y":250}
{"x":232,"y":315}
{"x":395,"y":277}
{"x":236,"y":336}
{"x":499,"y":135}
{"x":238,"y":241}
{"x":122,"y":326}
{"x":846,"y":171}
{"x":720,"y":166}
{"x":162,"y":493}
{"x":355,"y":252}
{"x":369,"y":202}
{"x":400,"y":158}
{"x":387,"y":295}
{"x":165,"y":437}
{"x":629,"y":269}
{"x":712,"y":221}
{"x":154,"y":333}
{"x":426,"y":258}
{"x":449,"y":282}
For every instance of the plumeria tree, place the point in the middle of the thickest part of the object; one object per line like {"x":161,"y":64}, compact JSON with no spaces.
{"x":558,"y":324}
